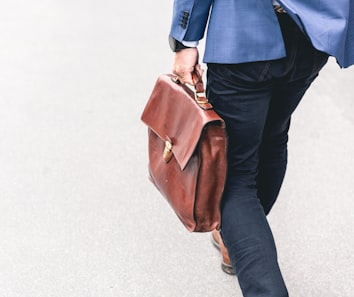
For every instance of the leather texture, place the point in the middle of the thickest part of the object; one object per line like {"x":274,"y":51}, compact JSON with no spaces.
{"x":187,"y":152}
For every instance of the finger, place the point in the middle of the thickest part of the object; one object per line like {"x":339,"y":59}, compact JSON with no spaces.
{"x":184,"y":77}
{"x":187,"y":79}
{"x":199,"y":69}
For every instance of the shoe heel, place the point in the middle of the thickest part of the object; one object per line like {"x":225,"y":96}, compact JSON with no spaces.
{"x":227,"y":269}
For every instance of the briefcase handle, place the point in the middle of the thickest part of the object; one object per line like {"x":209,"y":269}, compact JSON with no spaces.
{"x":198,"y":90}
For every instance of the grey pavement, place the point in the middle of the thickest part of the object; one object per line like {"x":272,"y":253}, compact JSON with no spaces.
{"x":79,"y":217}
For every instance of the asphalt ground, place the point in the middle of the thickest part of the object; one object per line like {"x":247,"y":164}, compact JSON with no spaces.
{"x":79,"y":217}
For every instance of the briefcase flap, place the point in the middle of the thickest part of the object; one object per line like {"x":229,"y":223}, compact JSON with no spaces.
{"x":173,"y":114}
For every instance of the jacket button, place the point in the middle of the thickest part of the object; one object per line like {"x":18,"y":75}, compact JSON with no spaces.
{"x":185,"y":19}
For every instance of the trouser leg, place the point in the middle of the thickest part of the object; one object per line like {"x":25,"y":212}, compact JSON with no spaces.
{"x":273,"y":152}
{"x":256,"y":101}
{"x":291,"y":76}
{"x":244,"y":106}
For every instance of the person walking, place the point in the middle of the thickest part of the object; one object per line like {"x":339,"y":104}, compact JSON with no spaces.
{"x":259,"y":65}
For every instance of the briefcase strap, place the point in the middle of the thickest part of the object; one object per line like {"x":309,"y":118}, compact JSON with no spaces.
{"x":199,"y":90}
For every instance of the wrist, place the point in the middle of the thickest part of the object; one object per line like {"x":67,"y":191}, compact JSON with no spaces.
{"x":177,"y":46}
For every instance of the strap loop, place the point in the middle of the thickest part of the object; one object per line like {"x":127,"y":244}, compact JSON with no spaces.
{"x":199,"y":90}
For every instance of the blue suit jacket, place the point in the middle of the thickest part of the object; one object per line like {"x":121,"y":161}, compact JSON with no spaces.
{"x":248,"y":30}
{"x":329,"y":25}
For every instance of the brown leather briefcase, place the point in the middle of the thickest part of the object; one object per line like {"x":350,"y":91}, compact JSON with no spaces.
{"x":187,"y":151}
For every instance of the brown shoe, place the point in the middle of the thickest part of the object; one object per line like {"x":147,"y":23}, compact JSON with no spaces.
{"x":219,"y":244}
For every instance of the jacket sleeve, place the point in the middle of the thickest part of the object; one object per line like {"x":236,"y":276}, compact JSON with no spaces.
{"x":189,"y":19}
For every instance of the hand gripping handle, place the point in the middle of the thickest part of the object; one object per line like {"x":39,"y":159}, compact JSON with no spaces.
{"x":199,"y":90}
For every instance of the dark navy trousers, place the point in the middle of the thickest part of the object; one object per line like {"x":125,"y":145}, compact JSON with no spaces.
{"x":256,"y":101}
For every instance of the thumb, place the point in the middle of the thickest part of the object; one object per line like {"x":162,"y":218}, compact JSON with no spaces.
{"x":199,"y":69}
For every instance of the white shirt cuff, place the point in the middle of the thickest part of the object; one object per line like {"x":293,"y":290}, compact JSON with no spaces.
{"x":190,"y":43}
